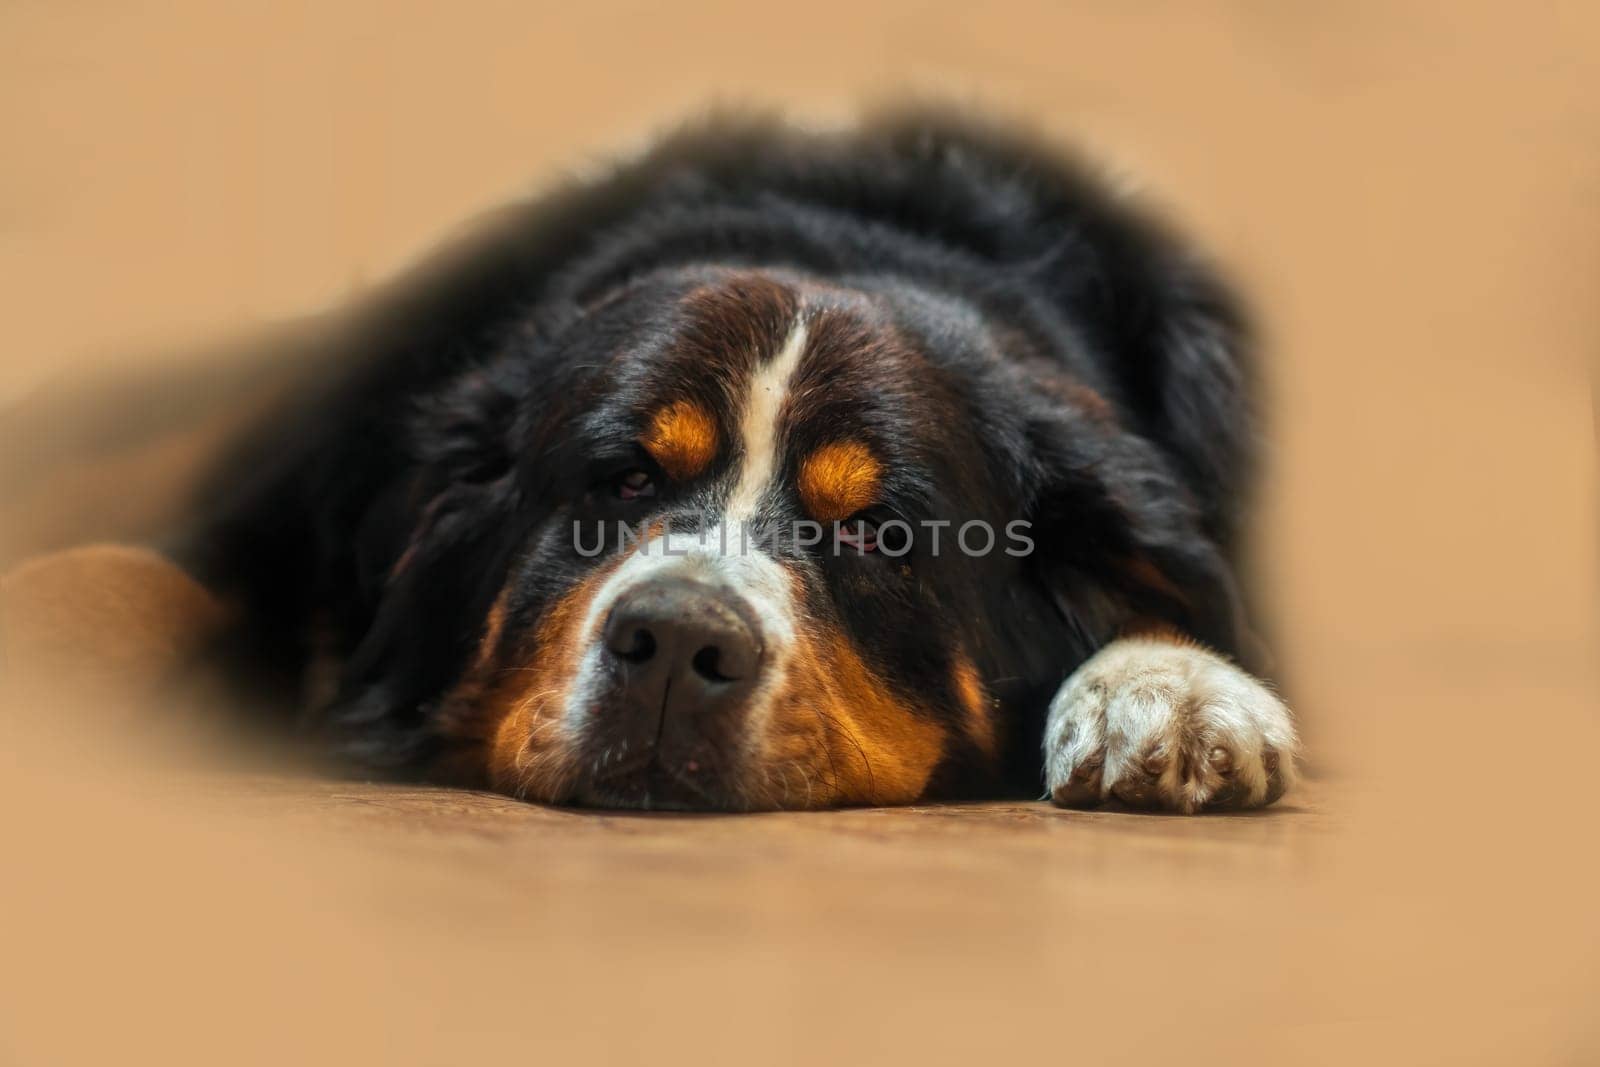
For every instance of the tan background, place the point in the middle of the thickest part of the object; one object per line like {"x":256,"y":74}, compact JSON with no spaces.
{"x":1407,"y":193}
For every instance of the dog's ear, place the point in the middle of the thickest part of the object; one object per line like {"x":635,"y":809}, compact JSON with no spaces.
{"x":432,"y":552}
{"x":1180,"y":356}
{"x":1142,"y":507}
{"x":1120,"y":540}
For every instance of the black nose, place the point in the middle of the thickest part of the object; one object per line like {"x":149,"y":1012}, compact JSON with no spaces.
{"x":684,"y":648}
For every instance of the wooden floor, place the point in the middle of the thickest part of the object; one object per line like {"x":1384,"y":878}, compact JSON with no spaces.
{"x":282,"y":917}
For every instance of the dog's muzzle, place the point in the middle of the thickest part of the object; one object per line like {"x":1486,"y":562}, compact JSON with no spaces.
{"x":685,"y":655}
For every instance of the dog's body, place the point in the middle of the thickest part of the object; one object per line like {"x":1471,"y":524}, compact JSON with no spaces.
{"x":641,"y":502}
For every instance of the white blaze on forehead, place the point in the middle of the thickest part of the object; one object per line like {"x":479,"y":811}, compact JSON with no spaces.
{"x":725,"y":554}
{"x":758,"y":424}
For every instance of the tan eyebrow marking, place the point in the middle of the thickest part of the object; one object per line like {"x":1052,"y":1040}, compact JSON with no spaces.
{"x":838,"y":480}
{"x":682,"y":438}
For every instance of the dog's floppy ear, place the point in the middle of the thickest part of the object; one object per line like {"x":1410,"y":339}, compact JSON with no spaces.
{"x":1188,"y":382}
{"x":1144,"y":504}
{"x":1180,"y":355}
{"x":1120,"y":539}
{"x":432,"y":553}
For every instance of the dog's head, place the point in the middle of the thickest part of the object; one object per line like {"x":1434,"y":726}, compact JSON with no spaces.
{"x":748,"y":539}
{"x":769,"y":514}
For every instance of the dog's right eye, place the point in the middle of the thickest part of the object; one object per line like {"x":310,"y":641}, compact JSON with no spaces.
{"x":634,"y":484}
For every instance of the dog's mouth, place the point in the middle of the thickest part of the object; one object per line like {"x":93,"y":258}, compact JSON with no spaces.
{"x":649,"y":784}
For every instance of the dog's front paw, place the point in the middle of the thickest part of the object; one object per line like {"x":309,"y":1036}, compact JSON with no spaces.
{"x":1157,"y":723}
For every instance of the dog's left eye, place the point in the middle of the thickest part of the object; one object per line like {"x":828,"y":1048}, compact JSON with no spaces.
{"x":859,"y":532}
{"x":634,"y":484}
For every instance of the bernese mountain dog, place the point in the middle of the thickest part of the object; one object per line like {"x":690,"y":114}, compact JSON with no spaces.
{"x":774,"y":469}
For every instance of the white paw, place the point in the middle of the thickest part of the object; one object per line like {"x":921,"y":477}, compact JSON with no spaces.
{"x":1156,"y":723}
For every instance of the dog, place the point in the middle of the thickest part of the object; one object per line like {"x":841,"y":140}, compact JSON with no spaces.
{"x":775,"y":469}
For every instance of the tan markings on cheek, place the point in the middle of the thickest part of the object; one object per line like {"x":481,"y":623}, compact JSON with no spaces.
{"x":528,"y":754}
{"x":838,"y":480}
{"x":895,"y":749}
{"x":975,"y":702}
{"x":504,"y":717}
{"x":472,"y":707}
{"x":682,"y":438}
{"x":841,"y":736}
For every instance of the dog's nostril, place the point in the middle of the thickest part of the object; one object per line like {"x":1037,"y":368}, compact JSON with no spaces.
{"x":707,"y":663}
{"x":641,"y":646}
{"x":685,"y":639}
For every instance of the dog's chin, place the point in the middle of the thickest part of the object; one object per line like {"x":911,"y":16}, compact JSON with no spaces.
{"x":652,"y":787}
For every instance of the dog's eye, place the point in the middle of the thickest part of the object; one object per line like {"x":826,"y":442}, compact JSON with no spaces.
{"x":634,"y":484}
{"x":858,"y":533}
